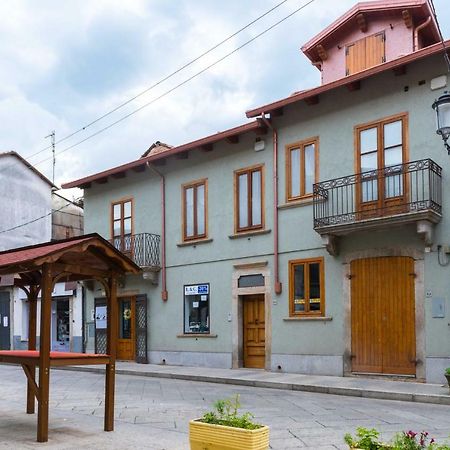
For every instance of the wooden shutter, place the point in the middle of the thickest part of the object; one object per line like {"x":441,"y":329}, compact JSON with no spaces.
{"x":365,"y":53}
{"x":375,"y":51}
{"x":141,"y":329}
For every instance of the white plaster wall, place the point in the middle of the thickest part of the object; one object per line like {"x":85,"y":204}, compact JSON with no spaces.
{"x":24,"y":197}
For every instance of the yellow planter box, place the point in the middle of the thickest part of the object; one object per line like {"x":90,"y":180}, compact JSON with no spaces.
{"x":206,"y":436}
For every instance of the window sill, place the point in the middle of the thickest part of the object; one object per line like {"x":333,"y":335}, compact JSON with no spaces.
{"x":308,"y":319}
{"x":305,"y":201}
{"x":245,"y":234}
{"x":194,"y":242}
{"x":196,"y":335}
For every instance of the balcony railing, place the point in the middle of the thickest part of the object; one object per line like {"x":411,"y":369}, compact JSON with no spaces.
{"x":403,"y":192}
{"x":142,"y":248}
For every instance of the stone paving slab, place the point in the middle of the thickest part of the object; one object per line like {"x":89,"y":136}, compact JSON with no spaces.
{"x":154,"y":413}
{"x":408,"y":391}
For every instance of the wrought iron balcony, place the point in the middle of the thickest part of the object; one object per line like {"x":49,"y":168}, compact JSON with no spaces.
{"x":401,"y":193}
{"x":142,"y":248}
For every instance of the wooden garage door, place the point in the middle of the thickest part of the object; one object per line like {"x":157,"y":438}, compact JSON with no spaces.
{"x":383,"y":316}
{"x":254,"y":331}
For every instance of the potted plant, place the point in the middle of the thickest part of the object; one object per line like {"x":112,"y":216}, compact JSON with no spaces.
{"x":365,"y":439}
{"x":447,"y":375}
{"x":224,"y":429}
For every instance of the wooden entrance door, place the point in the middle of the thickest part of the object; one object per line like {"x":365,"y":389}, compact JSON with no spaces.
{"x":126,"y":342}
{"x":383,"y":316}
{"x":254,"y":331}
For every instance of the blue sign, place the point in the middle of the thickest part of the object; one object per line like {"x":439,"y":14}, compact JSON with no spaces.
{"x":196,"y":289}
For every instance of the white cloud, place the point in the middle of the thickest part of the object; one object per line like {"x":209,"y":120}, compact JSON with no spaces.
{"x":67,"y":63}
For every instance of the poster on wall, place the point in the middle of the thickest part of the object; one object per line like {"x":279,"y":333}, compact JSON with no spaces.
{"x":100,"y":317}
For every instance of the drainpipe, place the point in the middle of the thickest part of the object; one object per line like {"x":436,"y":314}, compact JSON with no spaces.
{"x":278,"y":285}
{"x":164,"y":294}
{"x":416,"y":32}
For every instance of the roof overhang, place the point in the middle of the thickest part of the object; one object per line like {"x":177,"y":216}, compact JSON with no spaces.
{"x":419,"y":9}
{"x":310,"y":94}
{"x":205,"y":143}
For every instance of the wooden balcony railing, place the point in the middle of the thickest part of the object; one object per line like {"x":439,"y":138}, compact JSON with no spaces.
{"x":409,"y":191}
{"x":142,"y":248}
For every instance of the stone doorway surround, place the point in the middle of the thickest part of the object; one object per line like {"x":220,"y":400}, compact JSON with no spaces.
{"x":253,"y":268}
{"x":419,"y":292}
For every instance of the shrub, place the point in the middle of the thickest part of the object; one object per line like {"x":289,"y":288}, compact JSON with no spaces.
{"x":365,"y":439}
{"x":226,"y":413}
{"x":447,"y":371}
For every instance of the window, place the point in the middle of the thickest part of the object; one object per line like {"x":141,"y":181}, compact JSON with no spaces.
{"x":381,"y":145}
{"x":196,"y":308}
{"x":122,"y":226}
{"x":194,"y":210}
{"x":306,"y":287}
{"x":365,"y":53}
{"x":301,"y":169}
{"x":249,"y":199}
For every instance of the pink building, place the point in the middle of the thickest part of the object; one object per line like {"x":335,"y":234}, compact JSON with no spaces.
{"x":369,"y":34}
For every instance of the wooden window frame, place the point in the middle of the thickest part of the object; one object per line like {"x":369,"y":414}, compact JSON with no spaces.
{"x":194,"y":185}
{"x":122,"y":202}
{"x":300,"y":145}
{"x":248,"y":171}
{"x":306,"y":263}
{"x":379,"y":124}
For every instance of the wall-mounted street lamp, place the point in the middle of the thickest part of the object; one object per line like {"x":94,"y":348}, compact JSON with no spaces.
{"x":442,"y":108}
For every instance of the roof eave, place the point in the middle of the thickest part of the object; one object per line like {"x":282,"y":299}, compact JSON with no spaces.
{"x":412,"y":57}
{"x":214,"y":138}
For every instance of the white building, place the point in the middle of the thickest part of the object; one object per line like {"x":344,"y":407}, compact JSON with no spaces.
{"x":31,"y":213}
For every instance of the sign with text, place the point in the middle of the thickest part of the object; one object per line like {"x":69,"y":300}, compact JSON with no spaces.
{"x":196,"y":289}
{"x":100,"y":317}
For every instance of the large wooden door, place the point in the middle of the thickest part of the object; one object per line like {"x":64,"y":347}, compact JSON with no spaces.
{"x":254,"y":331}
{"x":126,"y":342}
{"x":383,"y":316}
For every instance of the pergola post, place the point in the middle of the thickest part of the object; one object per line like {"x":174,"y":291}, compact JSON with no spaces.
{"x":111,"y":350}
{"x":32,"y":295}
{"x":44,"y":353}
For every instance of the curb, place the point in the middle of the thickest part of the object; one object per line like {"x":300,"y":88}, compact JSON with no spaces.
{"x":318,"y":389}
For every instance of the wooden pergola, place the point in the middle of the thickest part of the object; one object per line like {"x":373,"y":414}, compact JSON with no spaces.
{"x":37,"y":269}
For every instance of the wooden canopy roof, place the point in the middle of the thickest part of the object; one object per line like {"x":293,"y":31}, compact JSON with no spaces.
{"x":82,"y":258}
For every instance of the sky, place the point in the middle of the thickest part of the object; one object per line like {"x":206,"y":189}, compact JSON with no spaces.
{"x":66,"y":63}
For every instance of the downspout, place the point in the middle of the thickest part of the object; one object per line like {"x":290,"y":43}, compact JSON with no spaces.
{"x":416,"y":32}
{"x":164,"y":294}
{"x":278,"y":285}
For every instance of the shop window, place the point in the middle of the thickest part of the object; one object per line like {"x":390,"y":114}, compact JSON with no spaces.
{"x":196,"y":308}
{"x":306,"y":287}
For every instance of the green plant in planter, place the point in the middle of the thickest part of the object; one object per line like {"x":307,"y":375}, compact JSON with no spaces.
{"x":365,"y":439}
{"x":447,"y":371}
{"x":226,"y":413}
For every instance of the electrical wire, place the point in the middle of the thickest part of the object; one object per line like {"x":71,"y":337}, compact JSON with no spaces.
{"x":35,"y":220}
{"x":446,"y":57}
{"x":180,"y":84}
{"x":167,"y":77}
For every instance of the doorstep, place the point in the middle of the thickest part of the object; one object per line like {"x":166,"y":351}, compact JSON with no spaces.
{"x":350,"y":386}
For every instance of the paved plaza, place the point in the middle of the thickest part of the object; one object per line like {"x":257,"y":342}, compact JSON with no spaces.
{"x":153,"y":413}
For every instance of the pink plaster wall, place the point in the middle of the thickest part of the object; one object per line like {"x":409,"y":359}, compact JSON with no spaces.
{"x":399,"y":42}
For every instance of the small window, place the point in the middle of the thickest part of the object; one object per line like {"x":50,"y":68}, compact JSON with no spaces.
{"x":251,"y":280}
{"x":306,"y":287}
{"x":301,"y":169}
{"x":122,"y":225}
{"x":196,"y":308}
{"x":249,"y":199}
{"x":195,"y":210}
